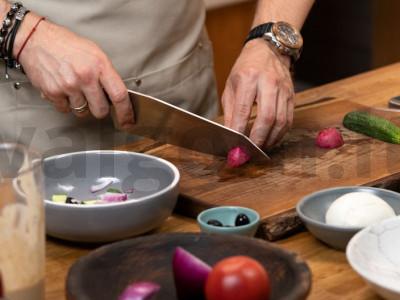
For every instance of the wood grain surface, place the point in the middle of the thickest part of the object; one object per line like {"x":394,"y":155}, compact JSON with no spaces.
{"x":297,"y":166}
{"x":332,"y":276}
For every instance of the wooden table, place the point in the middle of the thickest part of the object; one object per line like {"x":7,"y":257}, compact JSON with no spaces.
{"x":332,"y":276}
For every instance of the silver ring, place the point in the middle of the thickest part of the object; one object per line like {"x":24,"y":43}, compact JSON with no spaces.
{"x":81,"y":108}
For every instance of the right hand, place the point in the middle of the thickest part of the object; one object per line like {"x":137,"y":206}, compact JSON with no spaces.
{"x":69,"y":70}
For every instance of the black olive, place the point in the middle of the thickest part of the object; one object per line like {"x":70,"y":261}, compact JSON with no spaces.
{"x":241,"y":220}
{"x":214,"y":223}
{"x":71,"y":200}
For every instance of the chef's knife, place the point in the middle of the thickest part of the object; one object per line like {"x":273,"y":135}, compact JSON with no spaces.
{"x":164,"y":122}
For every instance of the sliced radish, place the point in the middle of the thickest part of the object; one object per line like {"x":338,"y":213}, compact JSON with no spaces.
{"x":113,"y":197}
{"x":238,"y":156}
{"x":190,"y":274}
{"x":142,"y":290}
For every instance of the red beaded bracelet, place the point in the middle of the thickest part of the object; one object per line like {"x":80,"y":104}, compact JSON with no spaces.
{"x":29,"y":36}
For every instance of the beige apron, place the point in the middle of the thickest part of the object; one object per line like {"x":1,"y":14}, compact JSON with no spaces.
{"x":159,"y":47}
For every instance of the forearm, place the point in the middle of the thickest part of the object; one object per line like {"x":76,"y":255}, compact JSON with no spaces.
{"x":292,"y":11}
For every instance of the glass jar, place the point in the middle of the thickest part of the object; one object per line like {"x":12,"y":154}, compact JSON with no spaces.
{"x":22,"y":233}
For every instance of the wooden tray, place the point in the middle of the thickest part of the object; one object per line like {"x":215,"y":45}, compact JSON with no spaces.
{"x":104,"y":273}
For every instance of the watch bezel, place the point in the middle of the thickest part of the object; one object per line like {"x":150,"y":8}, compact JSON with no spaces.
{"x":276,"y":31}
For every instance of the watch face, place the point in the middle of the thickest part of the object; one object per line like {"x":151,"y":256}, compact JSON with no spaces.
{"x":287,"y":35}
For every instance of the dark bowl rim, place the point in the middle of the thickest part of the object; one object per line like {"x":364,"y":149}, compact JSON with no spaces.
{"x":302,"y":270}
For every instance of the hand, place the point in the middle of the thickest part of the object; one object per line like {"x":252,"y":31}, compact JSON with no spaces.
{"x":70,"y":70}
{"x":260,"y":75}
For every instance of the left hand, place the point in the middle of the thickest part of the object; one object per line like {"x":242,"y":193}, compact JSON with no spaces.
{"x":260,"y":75}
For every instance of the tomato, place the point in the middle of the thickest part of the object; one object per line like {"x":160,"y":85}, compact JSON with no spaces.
{"x":238,"y":278}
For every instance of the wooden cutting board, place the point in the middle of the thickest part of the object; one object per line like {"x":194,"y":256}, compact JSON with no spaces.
{"x":297,"y":166}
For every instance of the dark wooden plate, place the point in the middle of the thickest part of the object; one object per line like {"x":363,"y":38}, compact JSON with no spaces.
{"x":105,"y":272}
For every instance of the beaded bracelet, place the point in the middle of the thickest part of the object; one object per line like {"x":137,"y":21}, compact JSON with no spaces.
{"x":8,"y":32}
{"x":19,"y":17}
{"x":7,"y":22}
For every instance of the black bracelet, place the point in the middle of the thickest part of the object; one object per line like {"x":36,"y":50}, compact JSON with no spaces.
{"x":8,"y":32}
{"x":19,"y":17}
{"x":6,"y":25}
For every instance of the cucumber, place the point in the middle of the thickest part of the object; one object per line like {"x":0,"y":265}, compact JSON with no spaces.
{"x":89,"y":202}
{"x":373,"y":126}
{"x":114,"y":190}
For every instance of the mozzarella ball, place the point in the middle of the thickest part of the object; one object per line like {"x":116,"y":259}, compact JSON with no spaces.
{"x":358,"y":209}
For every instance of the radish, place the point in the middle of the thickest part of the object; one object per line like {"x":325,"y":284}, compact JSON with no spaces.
{"x":190,"y":274}
{"x":113,"y":197}
{"x":238,"y":156}
{"x":142,"y":290}
{"x":329,"y":138}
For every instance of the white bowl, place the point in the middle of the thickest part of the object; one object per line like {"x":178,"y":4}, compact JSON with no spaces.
{"x":374,"y":253}
{"x":74,"y":173}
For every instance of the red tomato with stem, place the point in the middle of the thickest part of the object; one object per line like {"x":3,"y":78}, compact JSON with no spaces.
{"x":238,"y":278}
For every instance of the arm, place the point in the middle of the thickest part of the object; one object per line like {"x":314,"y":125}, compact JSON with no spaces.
{"x":70,"y":70}
{"x":292,"y":11}
{"x":261,"y":75}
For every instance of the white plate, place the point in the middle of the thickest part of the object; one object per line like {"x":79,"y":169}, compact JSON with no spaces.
{"x":374,"y":253}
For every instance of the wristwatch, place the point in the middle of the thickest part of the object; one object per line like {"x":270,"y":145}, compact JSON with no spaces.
{"x":283,"y":36}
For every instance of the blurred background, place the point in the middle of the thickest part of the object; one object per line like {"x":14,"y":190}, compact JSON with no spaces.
{"x":342,"y":38}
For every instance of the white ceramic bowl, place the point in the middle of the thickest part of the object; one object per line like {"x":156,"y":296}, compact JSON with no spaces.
{"x":374,"y":253}
{"x":155,"y":184}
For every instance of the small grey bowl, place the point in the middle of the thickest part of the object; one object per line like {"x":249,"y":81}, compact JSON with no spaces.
{"x":154,"y":181}
{"x":312,"y":210}
{"x":227,"y":216}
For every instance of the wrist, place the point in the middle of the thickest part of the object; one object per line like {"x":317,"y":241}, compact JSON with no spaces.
{"x":262,"y":44}
{"x":26,"y":27}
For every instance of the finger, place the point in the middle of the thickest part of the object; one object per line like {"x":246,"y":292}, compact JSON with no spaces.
{"x":118,"y":94}
{"x":97,"y":100}
{"x":267,"y":95}
{"x":279,"y":128}
{"x":290,"y":109}
{"x":290,"y":112}
{"x":60,"y":103}
{"x":228,"y":101}
{"x":244,"y":97}
{"x":76,"y":101}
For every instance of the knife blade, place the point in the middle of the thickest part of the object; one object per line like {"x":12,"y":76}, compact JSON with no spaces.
{"x":164,"y":122}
